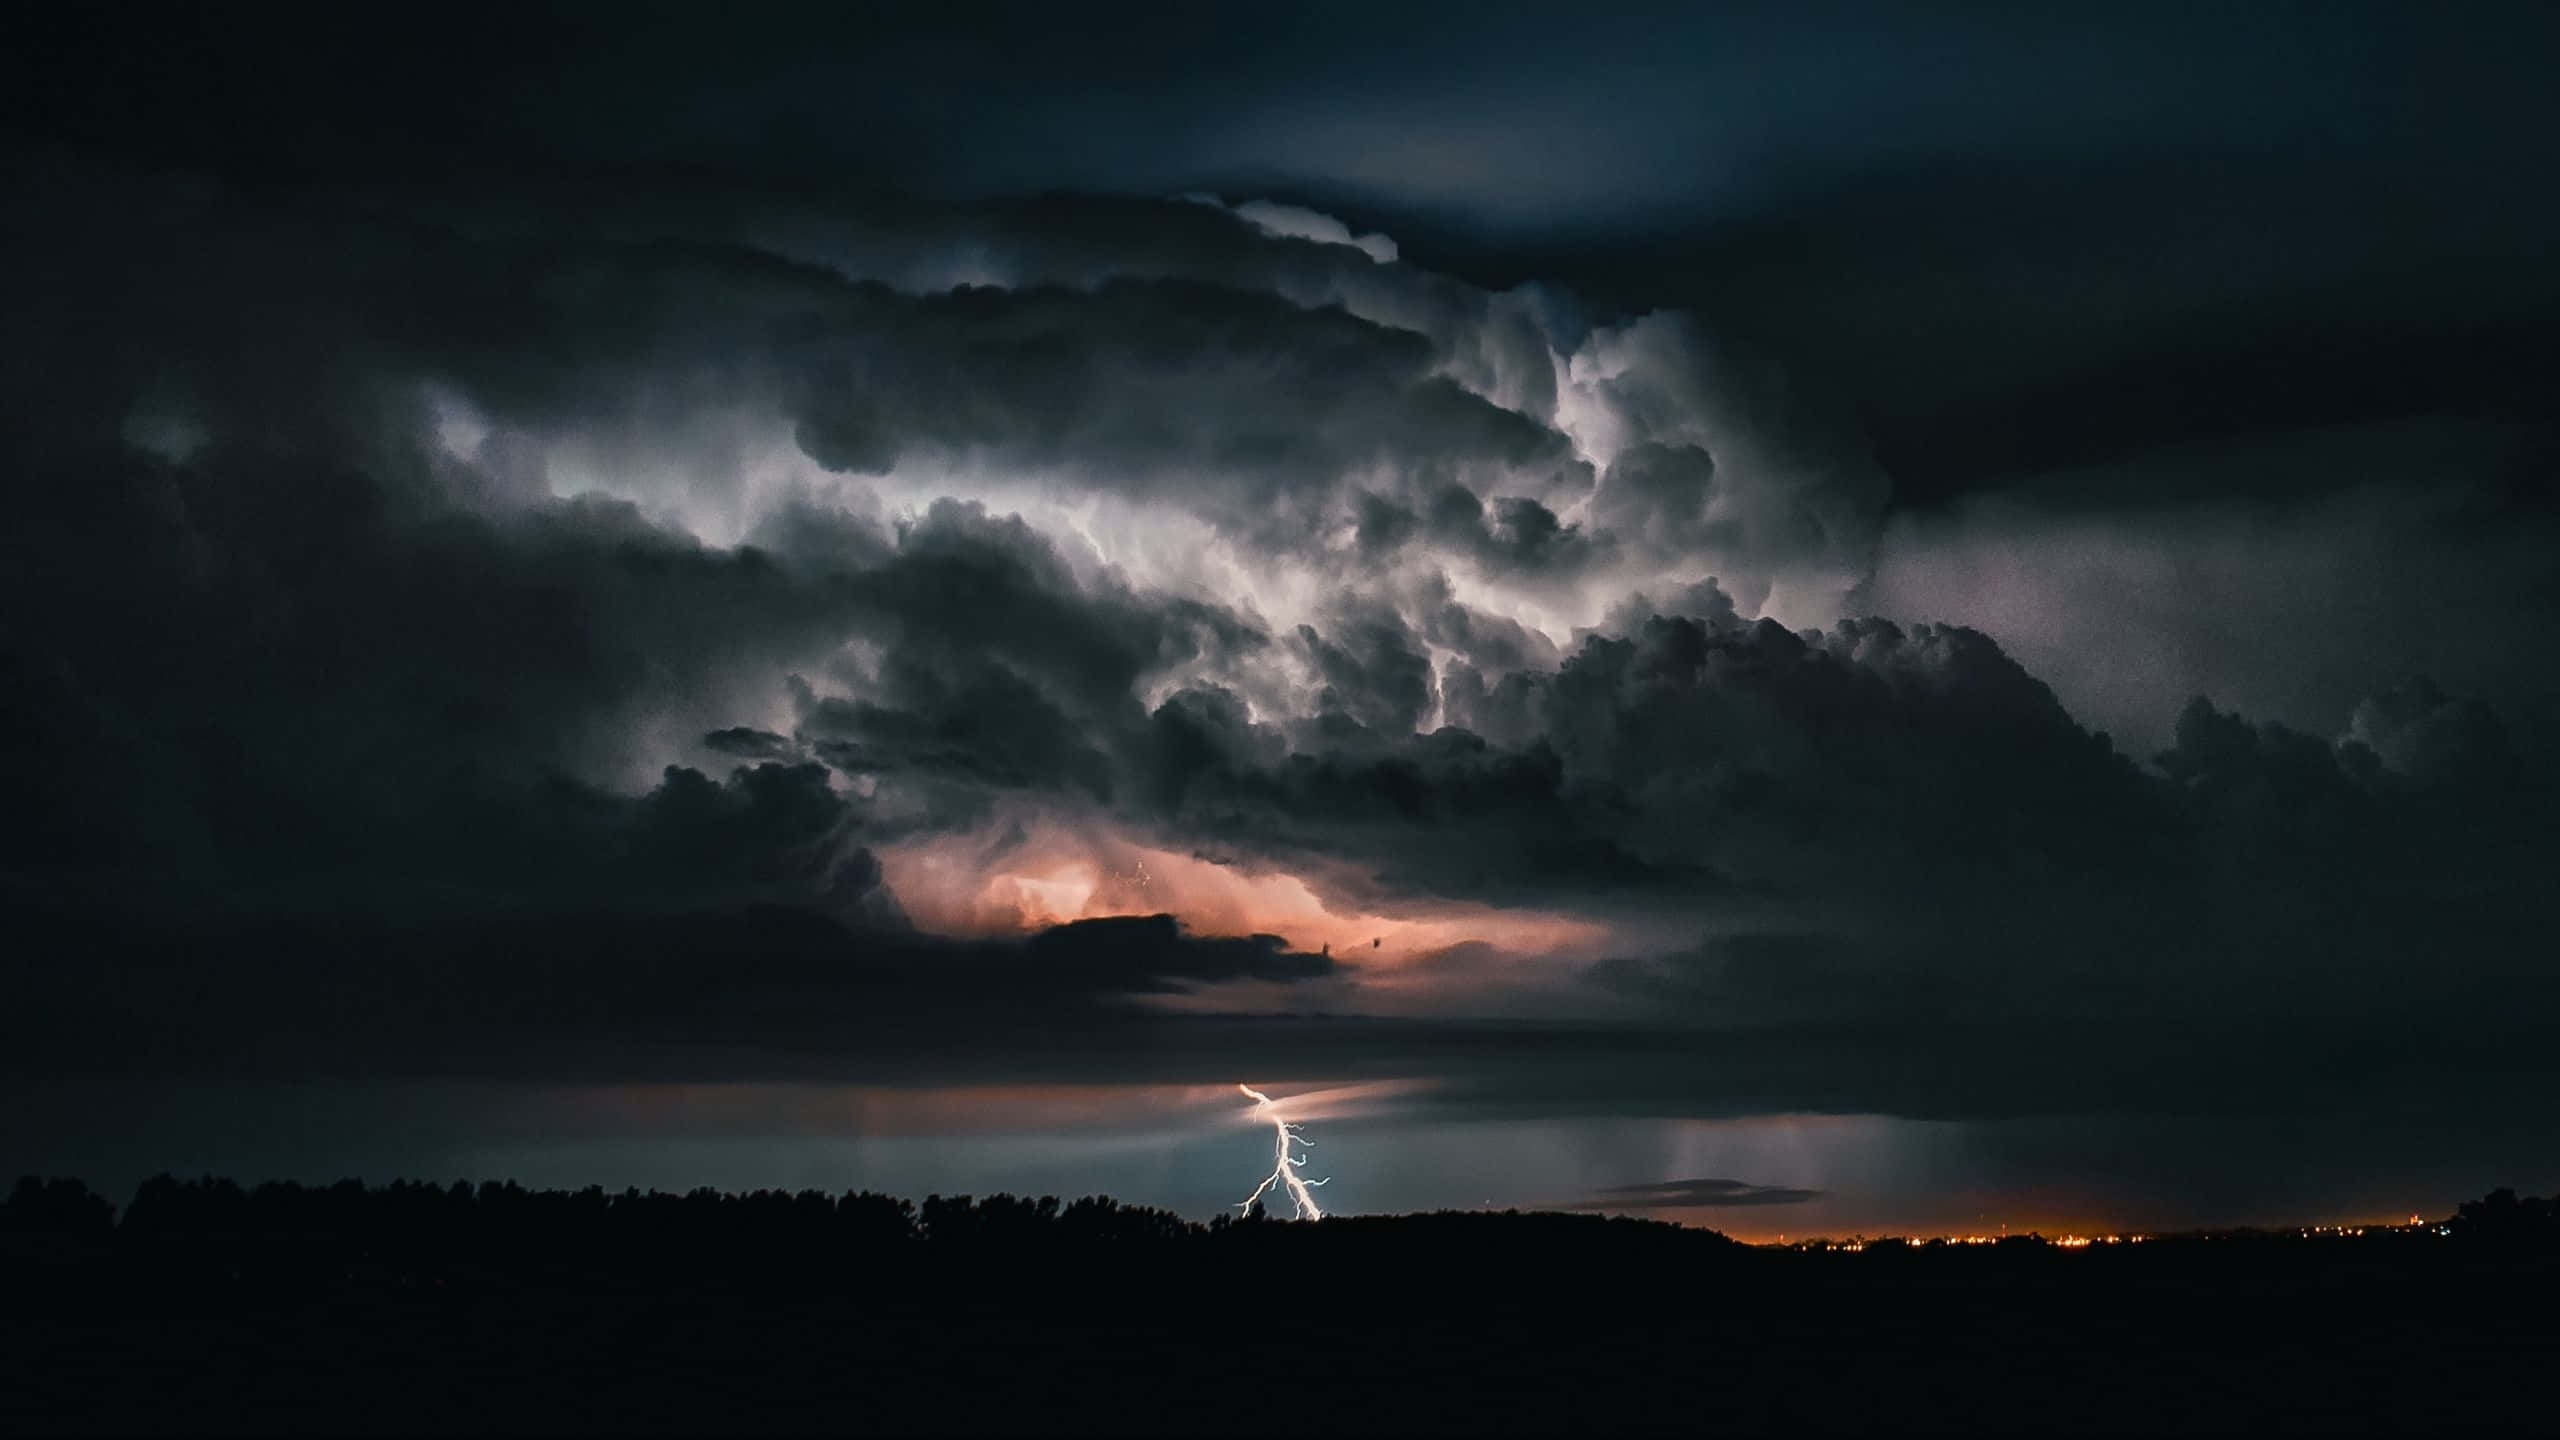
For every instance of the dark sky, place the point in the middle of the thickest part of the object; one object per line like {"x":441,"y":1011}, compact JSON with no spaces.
{"x":1851,"y":613}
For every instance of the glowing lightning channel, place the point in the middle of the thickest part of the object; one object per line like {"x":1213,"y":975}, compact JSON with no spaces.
{"x":1284,"y":1170}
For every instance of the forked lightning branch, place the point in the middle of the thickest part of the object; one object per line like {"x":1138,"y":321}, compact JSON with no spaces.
{"x":1285,"y":1166}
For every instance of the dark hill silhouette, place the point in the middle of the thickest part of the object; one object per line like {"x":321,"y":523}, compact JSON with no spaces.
{"x":503,"y":1224}
{"x":207,"y":1305}
{"x":2500,"y":1218}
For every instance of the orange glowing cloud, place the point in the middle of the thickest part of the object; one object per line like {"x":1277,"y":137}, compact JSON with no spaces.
{"x":1024,"y":877}
{"x":881,"y":1112}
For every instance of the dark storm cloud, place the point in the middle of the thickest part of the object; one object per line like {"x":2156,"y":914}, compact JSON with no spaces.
{"x":1692,"y":1195}
{"x":1655,"y":485}
{"x":1726,"y":748}
{"x":1155,"y":385}
{"x":747,"y":743}
{"x":2419,"y":541}
{"x":998,"y":665}
{"x":670,"y":985}
{"x":1443,"y":814}
{"x":1510,"y":535}
{"x":1215,"y":396}
{"x":2270,"y":873}
{"x":1496,"y":644}
{"x":1373,"y":671}
{"x":336,"y":742}
{"x":1211,"y":393}
{"x":308,"y":653}
{"x":1495,"y":343}
{"x":2435,"y":740}
{"x":314,"y":742}
{"x":261,"y":672}
{"x":2019,"y":243}
{"x":1704,"y":601}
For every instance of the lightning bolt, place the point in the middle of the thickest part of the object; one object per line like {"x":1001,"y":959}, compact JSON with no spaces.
{"x":1284,"y":1169}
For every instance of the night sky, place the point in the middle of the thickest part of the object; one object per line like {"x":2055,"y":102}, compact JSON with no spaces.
{"x":1800,"y":618}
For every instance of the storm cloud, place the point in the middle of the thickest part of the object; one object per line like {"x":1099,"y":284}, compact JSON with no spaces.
{"x":549,"y":620}
{"x":1693,"y":1195}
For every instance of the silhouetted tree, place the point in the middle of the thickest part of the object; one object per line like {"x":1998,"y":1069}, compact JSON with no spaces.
{"x":2502,"y":1218}
{"x":56,"y":1207}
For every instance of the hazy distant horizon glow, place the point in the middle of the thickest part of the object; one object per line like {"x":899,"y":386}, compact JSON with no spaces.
{"x":1388,"y":1148}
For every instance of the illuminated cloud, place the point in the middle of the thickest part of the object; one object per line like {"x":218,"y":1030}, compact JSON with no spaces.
{"x":1273,"y":218}
{"x":992,"y":642}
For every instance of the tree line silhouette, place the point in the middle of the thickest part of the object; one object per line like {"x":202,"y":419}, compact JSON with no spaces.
{"x":430,"y":1307}
{"x":502,"y":1222}
{"x":2500,"y":1217}
{"x":412,"y":1226}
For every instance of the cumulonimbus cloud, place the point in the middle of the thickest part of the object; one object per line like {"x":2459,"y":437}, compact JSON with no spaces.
{"x":480,"y":573}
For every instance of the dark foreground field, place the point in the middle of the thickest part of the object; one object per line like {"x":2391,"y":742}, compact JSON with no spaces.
{"x":1459,"y":1324}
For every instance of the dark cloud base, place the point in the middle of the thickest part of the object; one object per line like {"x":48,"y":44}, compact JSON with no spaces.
{"x":1703,"y":1194}
{"x":321,"y":729}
